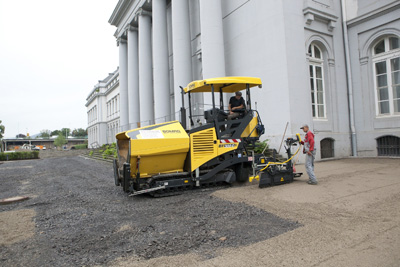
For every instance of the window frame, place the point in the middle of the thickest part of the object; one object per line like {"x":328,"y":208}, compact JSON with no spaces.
{"x":386,"y":57}
{"x":387,"y":149}
{"x":324,"y":150}
{"x":317,"y":62}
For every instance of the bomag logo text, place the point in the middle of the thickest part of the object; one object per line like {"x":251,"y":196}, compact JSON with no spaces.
{"x":171,"y":131}
{"x":227,"y":145}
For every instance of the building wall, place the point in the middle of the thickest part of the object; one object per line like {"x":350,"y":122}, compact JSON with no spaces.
{"x":255,"y":45}
{"x":271,"y":40}
{"x":104,"y":111}
{"x":324,"y":29}
{"x":374,"y":22}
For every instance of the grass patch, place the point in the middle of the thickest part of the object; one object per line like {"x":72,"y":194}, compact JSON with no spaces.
{"x":19,"y":155}
{"x":80,"y":146}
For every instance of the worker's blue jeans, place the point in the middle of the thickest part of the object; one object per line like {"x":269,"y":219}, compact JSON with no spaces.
{"x":310,"y":167}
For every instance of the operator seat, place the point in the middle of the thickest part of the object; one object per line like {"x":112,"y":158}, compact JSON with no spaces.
{"x":221,"y":115}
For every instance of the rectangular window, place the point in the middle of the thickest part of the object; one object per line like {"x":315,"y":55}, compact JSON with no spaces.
{"x":395,"y":67}
{"x":382,"y":89}
{"x":393,"y":43}
{"x":321,"y":112}
{"x":387,"y":81}
{"x":317,"y":91}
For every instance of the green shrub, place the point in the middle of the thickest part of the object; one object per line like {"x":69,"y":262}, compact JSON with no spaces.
{"x":110,"y":150}
{"x":91,"y":153}
{"x":260,"y":146}
{"x":80,"y":146}
{"x":19,"y":155}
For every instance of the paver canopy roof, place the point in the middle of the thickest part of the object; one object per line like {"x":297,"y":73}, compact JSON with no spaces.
{"x":227,"y":84}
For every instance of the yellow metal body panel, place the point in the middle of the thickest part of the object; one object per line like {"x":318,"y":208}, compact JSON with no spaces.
{"x":204,"y":146}
{"x":228,"y":84}
{"x":161,"y":148}
{"x":223,"y":148}
{"x":251,"y":129}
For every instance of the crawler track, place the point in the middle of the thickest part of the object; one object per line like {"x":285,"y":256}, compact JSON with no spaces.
{"x":182,"y":189}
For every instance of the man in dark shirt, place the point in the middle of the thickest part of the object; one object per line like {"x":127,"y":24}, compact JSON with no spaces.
{"x":236,"y":102}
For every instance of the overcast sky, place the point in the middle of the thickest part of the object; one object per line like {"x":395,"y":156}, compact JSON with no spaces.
{"x":52,"y":53}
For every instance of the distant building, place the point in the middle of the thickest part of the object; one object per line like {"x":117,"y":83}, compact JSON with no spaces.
{"x":334,"y":64}
{"x":18,"y":143}
{"x":103,"y":111}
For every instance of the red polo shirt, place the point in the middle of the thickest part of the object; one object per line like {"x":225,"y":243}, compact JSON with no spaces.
{"x":309,"y":138}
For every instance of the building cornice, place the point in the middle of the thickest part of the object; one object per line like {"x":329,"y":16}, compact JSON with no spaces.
{"x":374,"y":14}
{"x":112,"y":88}
{"x":311,"y":14}
{"x":125,"y":12}
{"x":95,"y":92}
{"x":119,"y":12}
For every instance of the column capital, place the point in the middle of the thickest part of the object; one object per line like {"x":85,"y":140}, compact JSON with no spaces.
{"x":131,"y":28}
{"x":142,"y":12}
{"x":121,"y":40}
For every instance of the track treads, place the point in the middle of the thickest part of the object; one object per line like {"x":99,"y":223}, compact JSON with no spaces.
{"x":180,"y":190}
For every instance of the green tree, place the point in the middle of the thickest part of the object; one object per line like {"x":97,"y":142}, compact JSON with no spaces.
{"x":79,"y":132}
{"x":66,"y":131}
{"x":2,"y":129}
{"x":55,"y":132}
{"x":45,"y":133}
{"x":60,"y":141}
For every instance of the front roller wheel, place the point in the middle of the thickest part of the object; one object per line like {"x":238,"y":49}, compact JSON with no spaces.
{"x":126,"y":178}
{"x":116,"y":173}
{"x":242,"y":173}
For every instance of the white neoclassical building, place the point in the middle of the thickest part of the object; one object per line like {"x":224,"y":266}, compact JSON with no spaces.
{"x":333,"y":64}
{"x":103,"y":111}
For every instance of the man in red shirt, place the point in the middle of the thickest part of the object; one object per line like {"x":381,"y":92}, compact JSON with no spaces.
{"x":309,"y":150}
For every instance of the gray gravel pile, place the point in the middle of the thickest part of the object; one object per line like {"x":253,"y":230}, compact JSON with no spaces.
{"x":83,"y":219}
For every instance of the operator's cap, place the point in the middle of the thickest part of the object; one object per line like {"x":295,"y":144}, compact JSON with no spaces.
{"x":238,"y":93}
{"x":304,"y":125}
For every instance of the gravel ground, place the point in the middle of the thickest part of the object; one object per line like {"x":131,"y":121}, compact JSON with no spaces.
{"x":351,"y":218}
{"x":54,"y":153}
{"x":76,"y":216}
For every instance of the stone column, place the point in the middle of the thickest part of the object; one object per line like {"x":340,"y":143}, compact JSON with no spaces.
{"x":182,"y":59}
{"x":123,"y":83}
{"x":212,"y":42}
{"x":133,"y":78}
{"x":145,"y":69}
{"x":160,"y":61}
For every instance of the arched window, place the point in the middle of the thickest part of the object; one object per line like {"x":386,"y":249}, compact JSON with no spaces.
{"x":386,"y":59}
{"x":327,"y":148}
{"x":388,"y":146}
{"x":316,"y":62}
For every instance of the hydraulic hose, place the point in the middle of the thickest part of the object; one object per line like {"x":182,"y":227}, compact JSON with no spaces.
{"x":257,"y":177}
